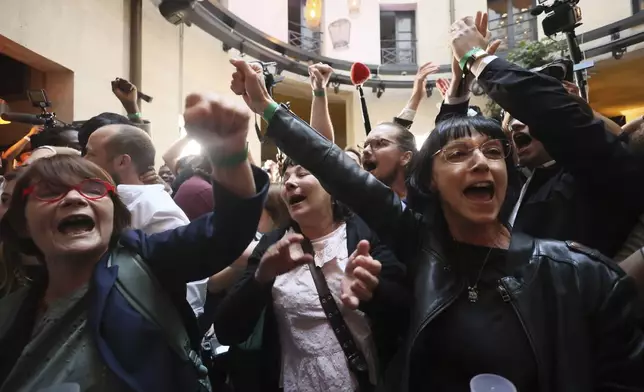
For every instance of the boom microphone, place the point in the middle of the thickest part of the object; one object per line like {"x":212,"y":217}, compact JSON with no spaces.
{"x":360,"y":73}
{"x":23,"y":118}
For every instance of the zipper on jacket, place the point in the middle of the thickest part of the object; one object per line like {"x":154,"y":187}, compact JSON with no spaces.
{"x":505,"y":293}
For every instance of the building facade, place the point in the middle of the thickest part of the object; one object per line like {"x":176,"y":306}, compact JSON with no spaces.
{"x":74,"y":48}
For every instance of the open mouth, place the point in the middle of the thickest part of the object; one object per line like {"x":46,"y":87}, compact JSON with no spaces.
{"x":76,"y":224}
{"x":521,"y":140}
{"x":480,"y":191}
{"x":296,"y":199}
{"x":369,"y":165}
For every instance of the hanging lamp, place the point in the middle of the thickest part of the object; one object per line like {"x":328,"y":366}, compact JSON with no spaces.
{"x":313,"y":14}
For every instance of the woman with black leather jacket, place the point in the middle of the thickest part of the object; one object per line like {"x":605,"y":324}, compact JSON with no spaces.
{"x":547,"y":315}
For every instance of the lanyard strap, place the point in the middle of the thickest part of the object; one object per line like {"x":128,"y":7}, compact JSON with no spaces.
{"x":357,"y":362}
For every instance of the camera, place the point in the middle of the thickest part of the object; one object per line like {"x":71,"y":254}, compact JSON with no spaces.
{"x":562,"y":16}
{"x":38,"y":99}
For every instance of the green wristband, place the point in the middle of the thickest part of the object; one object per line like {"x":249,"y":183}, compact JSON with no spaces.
{"x":467,"y":58}
{"x":319,"y":93}
{"x":136,"y":115}
{"x":269,"y":112}
{"x":231,"y":160}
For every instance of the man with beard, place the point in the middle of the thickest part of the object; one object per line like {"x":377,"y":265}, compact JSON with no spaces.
{"x":126,"y":152}
{"x":388,"y":153}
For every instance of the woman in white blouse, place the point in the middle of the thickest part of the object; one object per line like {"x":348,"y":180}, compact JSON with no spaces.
{"x":299,"y":350}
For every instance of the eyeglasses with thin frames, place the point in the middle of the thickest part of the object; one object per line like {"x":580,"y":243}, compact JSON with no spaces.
{"x":459,"y":152}
{"x":378,"y":143}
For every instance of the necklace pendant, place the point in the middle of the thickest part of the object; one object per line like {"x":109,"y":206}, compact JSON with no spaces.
{"x":472,"y":294}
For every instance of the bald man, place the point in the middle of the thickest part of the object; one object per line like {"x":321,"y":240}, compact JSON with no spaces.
{"x":126,"y":152}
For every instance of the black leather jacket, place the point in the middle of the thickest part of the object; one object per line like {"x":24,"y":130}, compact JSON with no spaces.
{"x":575,"y":305}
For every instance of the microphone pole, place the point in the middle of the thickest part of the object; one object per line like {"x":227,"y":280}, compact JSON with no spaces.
{"x":365,"y":113}
{"x":576,"y":57}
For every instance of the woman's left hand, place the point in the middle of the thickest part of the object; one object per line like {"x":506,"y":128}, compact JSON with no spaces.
{"x":360,"y":277}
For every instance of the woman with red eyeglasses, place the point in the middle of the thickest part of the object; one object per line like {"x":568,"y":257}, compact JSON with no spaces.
{"x":76,"y":326}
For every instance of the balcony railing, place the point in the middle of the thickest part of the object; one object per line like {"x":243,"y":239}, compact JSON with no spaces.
{"x":398,"y":52}
{"x":511,"y":30}
{"x":304,"y":38}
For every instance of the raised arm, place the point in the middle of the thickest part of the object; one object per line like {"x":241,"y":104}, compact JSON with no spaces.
{"x":172,"y":155}
{"x":373,"y":201}
{"x":565,"y":124}
{"x":456,"y":95}
{"x":407,"y":115}
{"x":319,"y":75}
{"x":212,"y":242}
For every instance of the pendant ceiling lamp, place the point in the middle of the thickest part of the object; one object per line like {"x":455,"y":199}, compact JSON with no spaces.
{"x":313,"y":14}
{"x":354,"y":6}
{"x":340,"y":32}
{"x":4,"y":108}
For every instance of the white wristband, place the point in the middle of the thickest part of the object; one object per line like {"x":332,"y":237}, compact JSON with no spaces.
{"x":27,"y":138}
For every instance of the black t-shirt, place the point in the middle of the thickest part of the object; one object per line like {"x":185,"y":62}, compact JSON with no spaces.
{"x":468,"y":339}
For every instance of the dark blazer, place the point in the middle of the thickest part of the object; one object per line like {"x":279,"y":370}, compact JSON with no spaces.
{"x":135,"y":350}
{"x":594,"y":193}
{"x":239,"y":312}
{"x":576,"y":307}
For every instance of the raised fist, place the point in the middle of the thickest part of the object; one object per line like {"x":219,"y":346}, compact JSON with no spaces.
{"x":248,"y":82}
{"x":217,"y":124}
{"x":319,"y":75}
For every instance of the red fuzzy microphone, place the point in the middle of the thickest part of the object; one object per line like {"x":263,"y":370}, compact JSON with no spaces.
{"x":360,"y":73}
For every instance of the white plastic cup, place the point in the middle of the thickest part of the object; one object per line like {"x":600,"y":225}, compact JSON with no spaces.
{"x":491,"y":383}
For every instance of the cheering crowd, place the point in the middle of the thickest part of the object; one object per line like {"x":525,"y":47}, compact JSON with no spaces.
{"x":508,"y":248}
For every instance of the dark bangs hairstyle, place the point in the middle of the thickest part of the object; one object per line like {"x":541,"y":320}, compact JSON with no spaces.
{"x":340,"y":211}
{"x":56,"y":171}
{"x":421,"y":198}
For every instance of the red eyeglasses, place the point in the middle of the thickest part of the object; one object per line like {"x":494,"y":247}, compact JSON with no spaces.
{"x":91,"y":189}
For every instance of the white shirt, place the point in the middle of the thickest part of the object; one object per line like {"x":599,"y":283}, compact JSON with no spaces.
{"x":154,"y":211}
{"x":312,"y":359}
{"x":524,"y":189}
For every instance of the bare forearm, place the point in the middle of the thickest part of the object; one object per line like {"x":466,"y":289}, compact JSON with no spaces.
{"x":15,"y":150}
{"x":321,"y":118}
{"x":224,"y":280}
{"x":132,"y":109}
{"x":414,"y":101}
{"x":230,"y":275}
{"x":171,"y":156}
